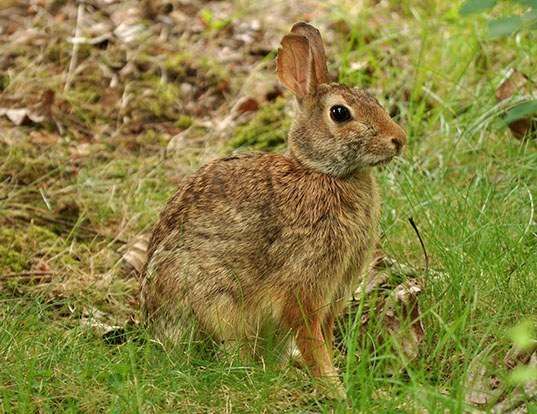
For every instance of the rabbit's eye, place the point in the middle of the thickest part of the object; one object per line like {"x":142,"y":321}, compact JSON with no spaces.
{"x":340,"y":113}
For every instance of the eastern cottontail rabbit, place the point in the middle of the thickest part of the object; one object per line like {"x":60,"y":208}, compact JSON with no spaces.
{"x":262,"y":244}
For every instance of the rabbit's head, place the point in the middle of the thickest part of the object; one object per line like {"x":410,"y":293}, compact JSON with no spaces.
{"x":337,"y":129}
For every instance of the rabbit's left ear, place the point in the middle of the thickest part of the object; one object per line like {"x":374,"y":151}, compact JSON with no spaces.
{"x":317,"y":49}
{"x":296,"y":65}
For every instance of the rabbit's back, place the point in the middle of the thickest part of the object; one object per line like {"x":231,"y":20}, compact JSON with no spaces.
{"x":245,"y":235}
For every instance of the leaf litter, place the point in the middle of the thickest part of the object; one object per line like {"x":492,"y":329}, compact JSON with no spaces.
{"x":83,"y":82}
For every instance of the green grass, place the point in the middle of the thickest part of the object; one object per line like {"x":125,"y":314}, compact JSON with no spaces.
{"x":468,"y":184}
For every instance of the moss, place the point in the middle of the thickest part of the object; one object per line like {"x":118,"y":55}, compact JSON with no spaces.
{"x":184,"y":67}
{"x":4,"y":82}
{"x":150,"y":139}
{"x":212,"y":22}
{"x":26,"y":163}
{"x":11,"y":261}
{"x":184,"y":122}
{"x":164,"y":99}
{"x":266,"y":131}
{"x":158,"y":102}
{"x":177,"y":64}
{"x":57,"y":51}
{"x":41,"y":235}
{"x":18,"y":246}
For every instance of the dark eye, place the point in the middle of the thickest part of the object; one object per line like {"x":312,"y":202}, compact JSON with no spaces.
{"x":340,"y":113}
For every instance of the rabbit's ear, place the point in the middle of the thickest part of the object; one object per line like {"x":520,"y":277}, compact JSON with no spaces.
{"x":317,"y":48}
{"x":296,"y":65}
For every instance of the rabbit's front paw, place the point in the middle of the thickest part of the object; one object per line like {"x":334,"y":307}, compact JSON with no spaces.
{"x":331,"y":387}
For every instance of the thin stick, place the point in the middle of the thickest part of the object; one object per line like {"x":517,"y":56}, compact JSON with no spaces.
{"x":76,"y":45}
{"x":27,"y":275}
{"x":413,"y":224}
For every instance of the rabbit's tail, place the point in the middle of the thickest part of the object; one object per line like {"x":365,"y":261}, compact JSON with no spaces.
{"x":135,"y":255}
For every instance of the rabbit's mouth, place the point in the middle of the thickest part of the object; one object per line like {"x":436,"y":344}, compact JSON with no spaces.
{"x":383,"y":162}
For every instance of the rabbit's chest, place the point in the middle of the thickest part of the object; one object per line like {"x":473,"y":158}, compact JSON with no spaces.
{"x":344,"y":237}
{"x":329,"y":237}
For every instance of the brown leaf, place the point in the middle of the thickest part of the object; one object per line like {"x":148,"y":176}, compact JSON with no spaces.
{"x":44,"y":138}
{"x":478,"y":383}
{"x":520,"y":127}
{"x":246,"y":104}
{"x":370,"y":283}
{"x":47,"y":98}
{"x":81,"y":150}
{"x":402,"y":317}
{"x":516,"y":399}
{"x":517,"y":356}
{"x":516,"y":84}
{"x":397,"y":306}
{"x":511,"y":85}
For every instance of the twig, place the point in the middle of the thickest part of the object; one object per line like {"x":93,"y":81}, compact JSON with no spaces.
{"x":27,"y":275}
{"x":76,"y":45}
{"x":413,"y":224}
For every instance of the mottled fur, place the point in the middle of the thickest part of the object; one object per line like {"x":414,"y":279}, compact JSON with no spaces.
{"x":275,"y":244}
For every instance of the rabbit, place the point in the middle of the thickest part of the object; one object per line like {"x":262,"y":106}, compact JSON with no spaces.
{"x":272,"y":245}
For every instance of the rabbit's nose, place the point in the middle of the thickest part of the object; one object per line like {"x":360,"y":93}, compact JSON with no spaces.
{"x":398,"y":143}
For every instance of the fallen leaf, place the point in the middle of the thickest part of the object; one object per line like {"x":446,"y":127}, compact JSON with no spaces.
{"x":44,"y":138}
{"x":129,"y":33}
{"x":402,"y":318}
{"x":516,"y":400}
{"x":80,"y":150}
{"x":21,"y":116}
{"x":519,"y":118}
{"x":517,"y":356}
{"x":395,"y":305}
{"x":374,"y":281}
{"x":514,"y":81}
{"x":94,"y":319}
{"x":478,"y":384}
{"x":246,"y":104}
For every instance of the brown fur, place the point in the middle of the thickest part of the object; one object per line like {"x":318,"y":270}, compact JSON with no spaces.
{"x":275,"y":242}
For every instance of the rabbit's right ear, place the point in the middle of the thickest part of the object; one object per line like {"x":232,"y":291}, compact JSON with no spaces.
{"x":295,"y":64}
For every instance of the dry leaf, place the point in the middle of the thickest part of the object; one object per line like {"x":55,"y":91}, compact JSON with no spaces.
{"x":517,"y":84}
{"x":245,"y":104}
{"x":374,"y":281}
{"x":515,"y":401}
{"x":20,"y":116}
{"x":516,"y":356}
{"x":44,"y":138}
{"x":129,"y":33}
{"x":402,"y":317}
{"x":478,"y":382}
{"x":94,"y":319}
{"x":397,"y":306}
{"x":512,"y":85}
{"x":80,"y":151}
{"x":183,"y":139}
